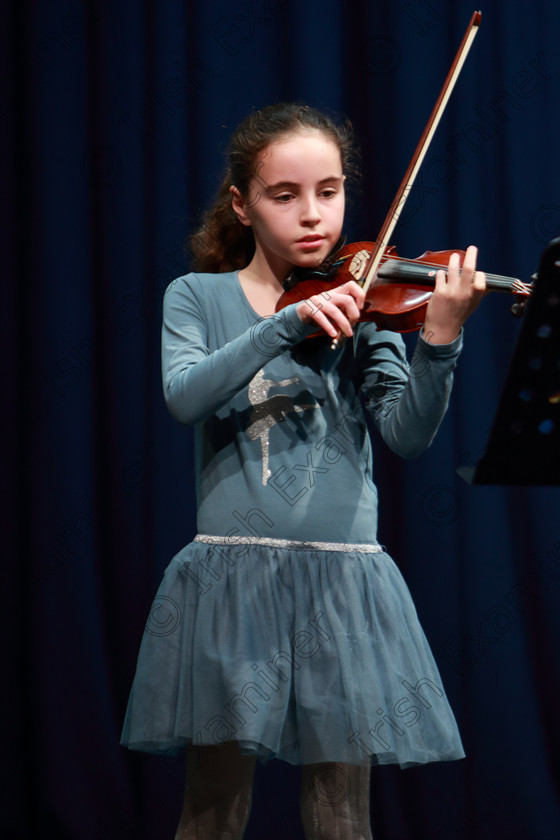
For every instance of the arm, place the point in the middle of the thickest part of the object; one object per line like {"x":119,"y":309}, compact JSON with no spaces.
{"x":197,"y":382}
{"x":406,"y":403}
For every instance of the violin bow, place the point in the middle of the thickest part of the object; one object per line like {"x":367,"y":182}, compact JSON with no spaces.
{"x":407,"y":183}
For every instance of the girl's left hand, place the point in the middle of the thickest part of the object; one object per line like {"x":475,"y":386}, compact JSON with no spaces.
{"x":455,"y":297}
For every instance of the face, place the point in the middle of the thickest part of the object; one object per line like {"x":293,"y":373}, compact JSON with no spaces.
{"x":295,"y":203}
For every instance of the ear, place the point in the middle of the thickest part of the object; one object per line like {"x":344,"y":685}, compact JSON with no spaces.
{"x":239,"y":207}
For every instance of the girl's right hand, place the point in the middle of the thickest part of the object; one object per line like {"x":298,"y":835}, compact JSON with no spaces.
{"x":334,"y":311}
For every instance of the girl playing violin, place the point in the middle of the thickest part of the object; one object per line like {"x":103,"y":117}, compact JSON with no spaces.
{"x":284,"y":630}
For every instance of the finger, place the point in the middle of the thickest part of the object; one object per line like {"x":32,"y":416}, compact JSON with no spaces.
{"x":343,"y":314}
{"x":343,"y":302}
{"x":323,"y":322}
{"x":356,"y":292}
{"x":469,"y":264}
{"x":334,"y":322}
{"x":350,"y":307}
{"x":329,"y":315}
{"x":479,"y":281}
{"x":441,"y":281}
{"x":453,"y":269}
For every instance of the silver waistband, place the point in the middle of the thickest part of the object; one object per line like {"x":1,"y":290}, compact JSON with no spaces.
{"x":362,"y":548}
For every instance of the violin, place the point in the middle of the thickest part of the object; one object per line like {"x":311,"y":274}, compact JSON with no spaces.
{"x":398,"y":296}
{"x":398,"y":290}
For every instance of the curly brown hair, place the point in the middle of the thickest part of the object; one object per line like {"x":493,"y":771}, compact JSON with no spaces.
{"x":221,"y":242}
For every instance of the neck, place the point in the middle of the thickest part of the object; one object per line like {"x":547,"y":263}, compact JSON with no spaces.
{"x":262,"y":286}
{"x":267,"y":272}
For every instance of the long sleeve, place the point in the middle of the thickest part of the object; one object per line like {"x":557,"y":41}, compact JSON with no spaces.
{"x":406,"y":402}
{"x":198,"y":378}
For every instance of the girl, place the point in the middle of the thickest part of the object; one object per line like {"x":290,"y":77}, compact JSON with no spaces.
{"x":284,"y":630}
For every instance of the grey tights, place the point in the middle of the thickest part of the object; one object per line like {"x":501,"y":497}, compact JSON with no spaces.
{"x":334,"y":797}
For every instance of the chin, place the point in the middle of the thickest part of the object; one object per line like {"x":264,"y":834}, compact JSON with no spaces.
{"x":312,"y":259}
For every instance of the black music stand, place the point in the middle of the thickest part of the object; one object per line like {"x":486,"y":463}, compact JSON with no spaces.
{"x":524,"y":443}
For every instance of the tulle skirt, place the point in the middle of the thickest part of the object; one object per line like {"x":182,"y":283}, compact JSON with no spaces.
{"x":307,"y":652}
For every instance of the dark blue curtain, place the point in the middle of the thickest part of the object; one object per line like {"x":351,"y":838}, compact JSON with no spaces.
{"x":116,"y":119}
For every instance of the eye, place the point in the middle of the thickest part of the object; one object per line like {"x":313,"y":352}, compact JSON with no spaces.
{"x":330,"y":192}
{"x":283,"y":198}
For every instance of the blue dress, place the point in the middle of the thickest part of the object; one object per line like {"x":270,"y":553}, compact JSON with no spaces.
{"x":284,"y":625}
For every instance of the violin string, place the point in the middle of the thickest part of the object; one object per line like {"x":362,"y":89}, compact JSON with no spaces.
{"x":495,"y":279}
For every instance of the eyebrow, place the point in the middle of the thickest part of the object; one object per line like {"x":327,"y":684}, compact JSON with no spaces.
{"x":291,"y":184}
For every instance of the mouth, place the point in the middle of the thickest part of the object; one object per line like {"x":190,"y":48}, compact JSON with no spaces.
{"x":311,"y":238}
{"x":311,"y":242}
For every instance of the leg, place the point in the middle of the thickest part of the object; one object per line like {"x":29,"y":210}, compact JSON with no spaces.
{"x":335,"y":802}
{"x":217,"y":793}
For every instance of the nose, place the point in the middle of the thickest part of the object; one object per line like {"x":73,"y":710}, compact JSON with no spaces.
{"x":310,"y":212}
